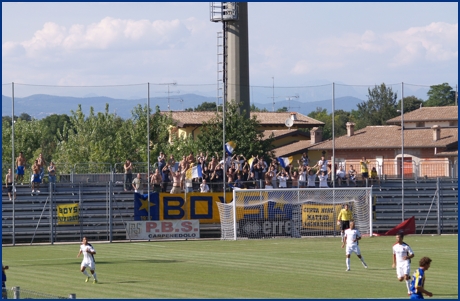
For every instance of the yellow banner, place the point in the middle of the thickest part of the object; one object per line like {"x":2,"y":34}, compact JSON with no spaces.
{"x":320,"y":217}
{"x":196,"y":205}
{"x":67,"y":214}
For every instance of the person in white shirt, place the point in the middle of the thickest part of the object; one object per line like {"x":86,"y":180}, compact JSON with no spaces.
{"x":351,"y":238}
{"x":302,"y":176}
{"x":311,"y":178}
{"x":342,"y":176}
{"x":282,"y":178}
{"x":322,"y":164}
{"x":204,"y":187}
{"x":322,"y":176}
{"x":88,"y":259}
{"x":402,"y":253}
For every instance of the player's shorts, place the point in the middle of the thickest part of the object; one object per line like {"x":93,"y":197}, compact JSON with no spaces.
{"x":402,"y":269}
{"x":36,"y":178}
{"x":353,"y":249}
{"x":175,"y":189}
{"x":90,"y":265}
{"x":365,"y":175}
{"x":20,"y":170}
{"x":344,"y":225}
{"x":10,"y":187}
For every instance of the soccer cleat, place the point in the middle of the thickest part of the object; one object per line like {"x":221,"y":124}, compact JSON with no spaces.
{"x":347,"y":269}
{"x":95,"y":281}
{"x":365,"y":265}
{"x":87,"y":279}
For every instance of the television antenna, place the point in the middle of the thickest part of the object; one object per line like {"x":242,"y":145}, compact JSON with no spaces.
{"x":169,"y":92}
{"x":289,"y":98}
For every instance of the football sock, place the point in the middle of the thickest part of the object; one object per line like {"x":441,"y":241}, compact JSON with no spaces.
{"x":94,"y":275}
{"x":86,"y":273}
{"x":348,"y":263}
{"x":342,"y":236}
{"x":362,"y":260}
{"x":408,"y":285}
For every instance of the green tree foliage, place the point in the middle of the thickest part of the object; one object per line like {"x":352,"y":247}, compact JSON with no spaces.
{"x":440,"y":95}
{"x":340,"y":120}
{"x":253,"y":108}
{"x":27,"y":138}
{"x":380,"y":106}
{"x":411,"y":103}
{"x":25,"y":116}
{"x":244,"y":132}
{"x":107,"y":138}
{"x":204,"y":107}
{"x":281,"y":110}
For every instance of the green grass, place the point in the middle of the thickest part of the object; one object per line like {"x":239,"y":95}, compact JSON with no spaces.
{"x":269,"y":268}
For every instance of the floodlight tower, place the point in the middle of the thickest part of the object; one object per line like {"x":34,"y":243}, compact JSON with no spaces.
{"x":234,"y":17}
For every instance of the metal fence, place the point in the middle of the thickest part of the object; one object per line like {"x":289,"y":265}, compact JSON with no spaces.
{"x":18,"y":293}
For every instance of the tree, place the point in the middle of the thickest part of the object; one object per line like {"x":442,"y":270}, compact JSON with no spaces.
{"x":244,"y":132}
{"x":340,"y":119}
{"x":411,"y":103}
{"x":253,"y":108}
{"x":283,"y":109}
{"x":380,"y":106}
{"x":25,"y":116}
{"x":204,"y":107}
{"x":440,"y":95}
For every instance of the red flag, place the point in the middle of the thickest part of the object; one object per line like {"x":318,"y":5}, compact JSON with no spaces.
{"x":406,"y":227}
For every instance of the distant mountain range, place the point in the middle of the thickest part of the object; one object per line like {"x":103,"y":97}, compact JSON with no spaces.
{"x":41,"y":105}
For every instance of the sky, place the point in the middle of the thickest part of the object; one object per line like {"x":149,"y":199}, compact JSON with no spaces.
{"x":290,"y":45}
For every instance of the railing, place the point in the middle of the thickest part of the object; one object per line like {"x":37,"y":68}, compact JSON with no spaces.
{"x":104,"y":172}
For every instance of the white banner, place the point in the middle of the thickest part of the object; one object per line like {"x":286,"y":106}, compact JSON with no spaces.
{"x":175,"y":229}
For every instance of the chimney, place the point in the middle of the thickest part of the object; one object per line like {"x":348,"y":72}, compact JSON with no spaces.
{"x":294,"y":116}
{"x":436,"y":132}
{"x":316,"y":135}
{"x":350,"y":129}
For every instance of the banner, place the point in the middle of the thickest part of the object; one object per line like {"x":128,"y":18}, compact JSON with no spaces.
{"x":67,"y":214}
{"x":178,"y":229}
{"x":141,"y":206}
{"x":190,"y":206}
{"x":320,"y":217}
{"x":406,"y":227}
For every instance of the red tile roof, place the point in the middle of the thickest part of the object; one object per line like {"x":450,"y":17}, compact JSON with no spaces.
{"x":384,"y":137}
{"x":446,"y":113}
{"x":184,"y":118}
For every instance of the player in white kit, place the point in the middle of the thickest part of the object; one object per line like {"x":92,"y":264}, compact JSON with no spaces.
{"x":402,"y":253}
{"x":88,"y":259}
{"x":351,"y":238}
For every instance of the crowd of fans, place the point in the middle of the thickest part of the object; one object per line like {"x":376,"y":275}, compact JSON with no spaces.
{"x":243,"y":173}
{"x":240,"y":172}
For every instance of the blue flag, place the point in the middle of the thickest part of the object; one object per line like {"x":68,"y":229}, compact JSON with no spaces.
{"x":141,"y":206}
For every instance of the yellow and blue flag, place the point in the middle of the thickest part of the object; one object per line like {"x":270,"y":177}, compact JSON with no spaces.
{"x":285,"y":161}
{"x":229,"y":147}
{"x":194,"y":172}
{"x":251,"y":162}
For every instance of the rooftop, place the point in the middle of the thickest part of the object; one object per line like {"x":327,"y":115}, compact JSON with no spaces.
{"x":184,"y":118}
{"x":389,"y":137}
{"x":447,"y":113}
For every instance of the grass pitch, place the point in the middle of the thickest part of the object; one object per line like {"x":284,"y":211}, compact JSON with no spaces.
{"x":269,"y":268}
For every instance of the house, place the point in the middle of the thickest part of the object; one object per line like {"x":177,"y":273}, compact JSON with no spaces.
{"x":292,"y":141}
{"x":430,"y":144}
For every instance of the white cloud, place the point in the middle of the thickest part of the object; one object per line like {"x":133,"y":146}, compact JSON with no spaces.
{"x":435,"y":42}
{"x":109,"y":33}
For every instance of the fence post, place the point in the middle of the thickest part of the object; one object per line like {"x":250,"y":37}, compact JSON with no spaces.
{"x":51,"y":216}
{"x":110,"y":212}
{"x":16,"y":292}
{"x":438,"y":206}
{"x":72,"y":296}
